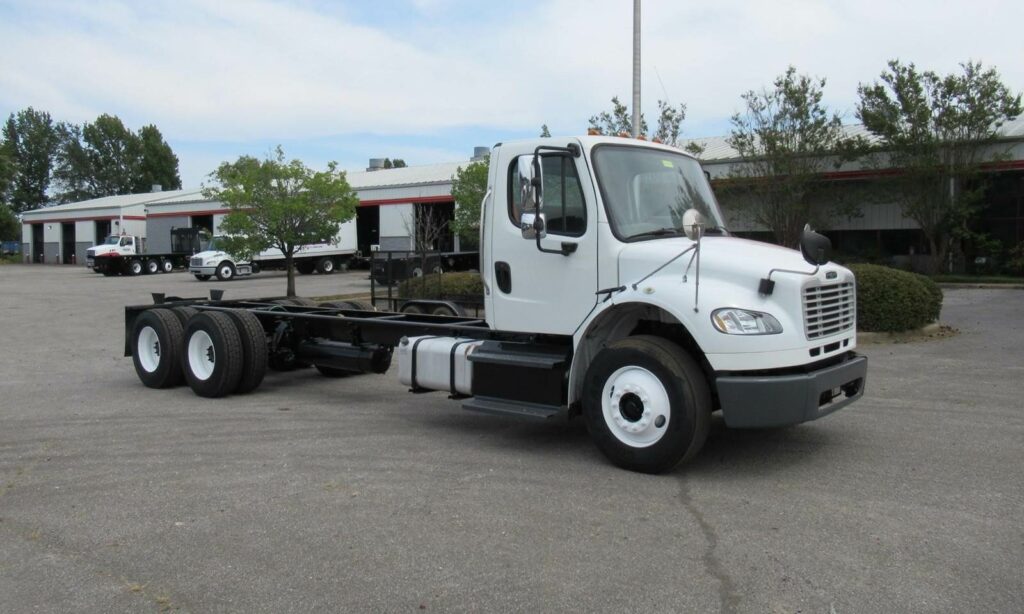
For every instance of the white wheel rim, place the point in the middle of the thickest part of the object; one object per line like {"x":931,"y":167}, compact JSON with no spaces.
{"x":148,"y":349}
{"x":328,"y":266}
{"x":168,"y":267}
{"x":152,"y":267}
{"x":635,"y":406}
{"x":201,"y":356}
{"x":225,"y":272}
{"x":136,"y":267}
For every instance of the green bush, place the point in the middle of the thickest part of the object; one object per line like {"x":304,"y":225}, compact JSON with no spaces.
{"x":935,"y":292}
{"x":890,"y":300}
{"x":443,"y":286}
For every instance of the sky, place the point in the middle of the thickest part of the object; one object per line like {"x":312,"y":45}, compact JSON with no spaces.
{"x":427,"y":80}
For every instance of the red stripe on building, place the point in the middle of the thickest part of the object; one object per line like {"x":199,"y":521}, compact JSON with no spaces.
{"x":406,"y":201}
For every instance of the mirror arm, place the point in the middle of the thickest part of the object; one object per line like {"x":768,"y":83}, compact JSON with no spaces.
{"x":767,"y":286}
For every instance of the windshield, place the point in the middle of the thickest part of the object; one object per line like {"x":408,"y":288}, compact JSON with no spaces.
{"x":216,"y":244}
{"x":646,"y":191}
{"x":112,"y":240}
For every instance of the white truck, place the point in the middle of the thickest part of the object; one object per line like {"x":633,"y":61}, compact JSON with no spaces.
{"x":127,"y":254}
{"x":325,"y":258}
{"x":612,"y":291}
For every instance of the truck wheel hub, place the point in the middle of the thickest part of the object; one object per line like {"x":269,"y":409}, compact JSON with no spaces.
{"x":635,"y":406}
{"x":201,"y":355}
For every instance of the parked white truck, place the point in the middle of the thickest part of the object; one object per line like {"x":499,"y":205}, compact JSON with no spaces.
{"x":612,"y":291}
{"x":324,"y":258}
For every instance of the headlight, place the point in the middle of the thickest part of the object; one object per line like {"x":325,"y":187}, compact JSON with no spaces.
{"x":743,"y":322}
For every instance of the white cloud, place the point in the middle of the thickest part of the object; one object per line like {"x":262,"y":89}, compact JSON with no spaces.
{"x":263,"y":69}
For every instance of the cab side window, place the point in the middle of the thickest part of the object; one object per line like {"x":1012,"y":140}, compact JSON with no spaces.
{"x":565,"y":209}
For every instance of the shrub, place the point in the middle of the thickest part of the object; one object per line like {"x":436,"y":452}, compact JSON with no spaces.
{"x":935,"y":293}
{"x":889,"y":300}
{"x":443,"y":286}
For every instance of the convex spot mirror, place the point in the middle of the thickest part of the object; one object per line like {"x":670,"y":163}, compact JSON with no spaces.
{"x":693,"y":224}
{"x":530,"y":180}
{"x":815,"y":248}
{"x":533,"y":225}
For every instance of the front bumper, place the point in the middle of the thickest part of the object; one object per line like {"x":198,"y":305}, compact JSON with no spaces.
{"x":760,"y":401}
{"x":203,"y":270}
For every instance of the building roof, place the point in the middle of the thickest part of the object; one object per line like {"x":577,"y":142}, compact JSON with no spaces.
{"x":406,"y":176}
{"x":118,"y":202}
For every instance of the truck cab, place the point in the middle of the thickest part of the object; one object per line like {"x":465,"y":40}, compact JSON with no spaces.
{"x":114,"y":245}
{"x":620,"y":243}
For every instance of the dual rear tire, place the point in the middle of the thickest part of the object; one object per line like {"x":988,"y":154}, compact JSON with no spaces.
{"x":215,"y":353}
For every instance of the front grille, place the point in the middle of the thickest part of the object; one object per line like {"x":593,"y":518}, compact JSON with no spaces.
{"x":197,"y":262}
{"x":829,"y":309}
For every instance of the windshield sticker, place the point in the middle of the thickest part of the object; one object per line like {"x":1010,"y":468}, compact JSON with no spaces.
{"x":667,"y":163}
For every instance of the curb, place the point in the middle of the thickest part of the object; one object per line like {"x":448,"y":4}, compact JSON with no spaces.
{"x":985,"y":286}
{"x":928,"y":331}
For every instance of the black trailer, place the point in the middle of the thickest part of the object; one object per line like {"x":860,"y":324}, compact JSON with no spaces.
{"x":393,"y":266}
{"x":184,"y":243}
{"x":222,"y":347}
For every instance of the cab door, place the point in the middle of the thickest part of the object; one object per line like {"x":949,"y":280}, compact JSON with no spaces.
{"x":531,"y":290}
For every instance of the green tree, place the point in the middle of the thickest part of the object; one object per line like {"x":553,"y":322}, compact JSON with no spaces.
{"x":469,"y":185}
{"x":158,"y":164}
{"x":938,"y":131}
{"x":396,"y":163}
{"x":30,"y":140}
{"x":104,"y":158}
{"x":282,"y":204}
{"x":10,"y":227}
{"x":544,"y":132}
{"x":786,"y":139}
{"x":618,"y":120}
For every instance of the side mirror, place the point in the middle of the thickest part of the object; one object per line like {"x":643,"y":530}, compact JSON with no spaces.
{"x":533,"y":225}
{"x":531,"y":182}
{"x":815,"y":248}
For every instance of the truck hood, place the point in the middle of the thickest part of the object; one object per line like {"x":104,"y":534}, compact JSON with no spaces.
{"x":729,"y":258}
{"x":210,"y":254}
{"x":101,"y":250}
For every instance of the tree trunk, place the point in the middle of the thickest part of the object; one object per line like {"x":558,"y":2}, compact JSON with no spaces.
{"x":290,"y":268}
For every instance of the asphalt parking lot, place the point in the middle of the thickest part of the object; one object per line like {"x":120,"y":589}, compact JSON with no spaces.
{"x":314,"y":494}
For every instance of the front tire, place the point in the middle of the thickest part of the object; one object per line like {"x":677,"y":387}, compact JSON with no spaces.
{"x":646,"y":404}
{"x":225,"y":271}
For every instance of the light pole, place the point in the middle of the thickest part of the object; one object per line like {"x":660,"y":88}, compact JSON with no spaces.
{"x":636,"y":68}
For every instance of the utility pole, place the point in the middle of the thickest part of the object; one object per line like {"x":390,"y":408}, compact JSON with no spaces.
{"x":636,"y":68}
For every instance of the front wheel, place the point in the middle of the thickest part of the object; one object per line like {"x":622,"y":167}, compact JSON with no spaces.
{"x":225,"y":271}
{"x":646,"y":404}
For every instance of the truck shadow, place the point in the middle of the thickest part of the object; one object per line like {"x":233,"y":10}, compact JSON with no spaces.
{"x":747,"y":451}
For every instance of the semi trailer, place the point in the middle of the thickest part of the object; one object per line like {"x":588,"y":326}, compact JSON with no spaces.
{"x":612,"y":292}
{"x":127,"y":254}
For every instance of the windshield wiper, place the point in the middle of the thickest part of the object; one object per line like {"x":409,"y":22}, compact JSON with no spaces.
{"x":661,"y":232}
